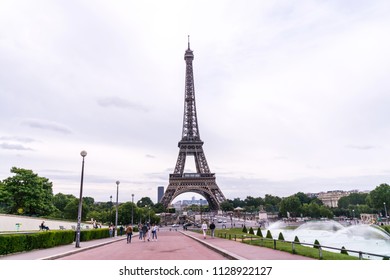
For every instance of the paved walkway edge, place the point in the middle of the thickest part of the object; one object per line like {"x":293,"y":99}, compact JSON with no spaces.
{"x":77,"y":250}
{"x":219,"y":250}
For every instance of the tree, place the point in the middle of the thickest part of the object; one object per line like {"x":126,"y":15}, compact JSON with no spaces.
{"x":272,"y":203}
{"x":352,"y":199}
{"x":71,"y":210}
{"x":290,"y":204}
{"x":251,"y":201}
{"x":303,"y":198}
{"x":343,"y":202}
{"x":325,"y":212}
{"x":314,"y":210}
{"x":124,"y":213}
{"x":145,"y":201}
{"x":226,"y":206}
{"x":28,"y":193}
{"x":159,"y":208}
{"x":237,"y":202}
{"x":378,"y":196}
{"x":60,"y":200}
{"x":5,"y":198}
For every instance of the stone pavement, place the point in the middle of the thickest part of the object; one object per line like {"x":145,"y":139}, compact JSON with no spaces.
{"x":212,"y":248}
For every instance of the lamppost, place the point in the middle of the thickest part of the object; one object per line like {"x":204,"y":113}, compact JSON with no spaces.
{"x":147,"y":209}
{"x":110,"y":209}
{"x":132,"y":209}
{"x":384,"y":205}
{"x":83,"y":154}
{"x":116,"y":211}
{"x":200,"y":209}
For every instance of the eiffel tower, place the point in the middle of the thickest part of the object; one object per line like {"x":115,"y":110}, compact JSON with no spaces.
{"x":203,"y":181}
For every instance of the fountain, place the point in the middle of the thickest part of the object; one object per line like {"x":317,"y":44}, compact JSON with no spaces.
{"x":359,"y":237}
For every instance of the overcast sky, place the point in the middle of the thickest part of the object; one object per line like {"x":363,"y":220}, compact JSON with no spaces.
{"x":291,"y":95}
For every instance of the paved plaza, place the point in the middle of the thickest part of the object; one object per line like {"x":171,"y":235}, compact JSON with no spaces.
{"x":171,"y":245}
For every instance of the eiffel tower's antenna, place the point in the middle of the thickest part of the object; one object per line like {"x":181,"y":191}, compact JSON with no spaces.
{"x":189,"y":42}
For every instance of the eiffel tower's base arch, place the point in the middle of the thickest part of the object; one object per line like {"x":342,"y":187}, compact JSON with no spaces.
{"x":203,"y":184}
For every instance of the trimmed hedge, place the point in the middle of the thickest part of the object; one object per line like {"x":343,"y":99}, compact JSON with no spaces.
{"x":13,"y":243}
{"x":21,"y":242}
{"x":86,"y":235}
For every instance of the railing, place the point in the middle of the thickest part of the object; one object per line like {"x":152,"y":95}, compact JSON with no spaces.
{"x":293,"y":243}
{"x":192,"y":175}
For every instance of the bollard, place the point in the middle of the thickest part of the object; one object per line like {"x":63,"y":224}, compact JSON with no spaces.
{"x":320,"y":252}
{"x":293,"y":247}
{"x":275,"y":244}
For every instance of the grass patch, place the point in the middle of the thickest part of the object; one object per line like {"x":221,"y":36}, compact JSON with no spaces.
{"x":236,"y":234}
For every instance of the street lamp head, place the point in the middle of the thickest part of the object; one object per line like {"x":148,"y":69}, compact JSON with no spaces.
{"x":83,"y":153}
{"x":117,"y":182}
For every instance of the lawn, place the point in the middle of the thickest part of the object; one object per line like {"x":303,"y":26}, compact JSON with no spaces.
{"x":239,"y":236}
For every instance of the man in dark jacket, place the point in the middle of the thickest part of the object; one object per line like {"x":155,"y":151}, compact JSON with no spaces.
{"x":212,"y":228}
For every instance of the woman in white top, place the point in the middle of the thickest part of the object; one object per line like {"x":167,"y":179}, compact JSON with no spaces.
{"x":204,"y":228}
{"x":154,"y":232}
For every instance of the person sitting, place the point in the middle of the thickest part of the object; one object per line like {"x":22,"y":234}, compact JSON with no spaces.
{"x":43,"y":227}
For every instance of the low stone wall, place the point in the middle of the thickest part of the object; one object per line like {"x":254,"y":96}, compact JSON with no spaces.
{"x":9,"y":223}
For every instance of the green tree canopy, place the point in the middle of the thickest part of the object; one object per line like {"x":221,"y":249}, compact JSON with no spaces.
{"x":226,"y":206}
{"x":290,"y":204}
{"x":145,"y":201}
{"x":71,"y":210}
{"x":303,"y":198}
{"x":60,"y":200}
{"x":27,"y":193}
{"x":380,"y":195}
{"x":352,"y":199}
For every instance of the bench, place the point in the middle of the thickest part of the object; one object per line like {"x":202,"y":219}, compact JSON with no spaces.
{"x":62,"y":227}
{"x":43,"y":228}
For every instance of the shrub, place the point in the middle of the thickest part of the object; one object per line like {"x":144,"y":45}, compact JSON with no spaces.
{"x":343,"y":251}
{"x":259,"y":233}
{"x":316,"y":244}
{"x":296,"y":239}
{"x":13,"y":243}
{"x":86,"y":235}
{"x":244,"y":229}
{"x":251,"y":231}
{"x":281,"y":237}
{"x":269,"y":235}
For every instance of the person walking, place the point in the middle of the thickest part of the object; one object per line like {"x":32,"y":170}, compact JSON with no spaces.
{"x":140,"y":231}
{"x":129,"y":233}
{"x":111,"y":230}
{"x":212,"y":228}
{"x":204,"y":228}
{"x":145,"y":231}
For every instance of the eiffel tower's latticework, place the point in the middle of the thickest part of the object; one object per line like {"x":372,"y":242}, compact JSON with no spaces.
{"x":203,"y":181}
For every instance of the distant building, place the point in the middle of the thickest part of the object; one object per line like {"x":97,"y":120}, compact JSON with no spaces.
{"x":331,"y":198}
{"x":160,"y":193}
{"x":194,"y":201}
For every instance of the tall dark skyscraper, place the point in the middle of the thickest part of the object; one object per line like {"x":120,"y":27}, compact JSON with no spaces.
{"x":160,"y":193}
